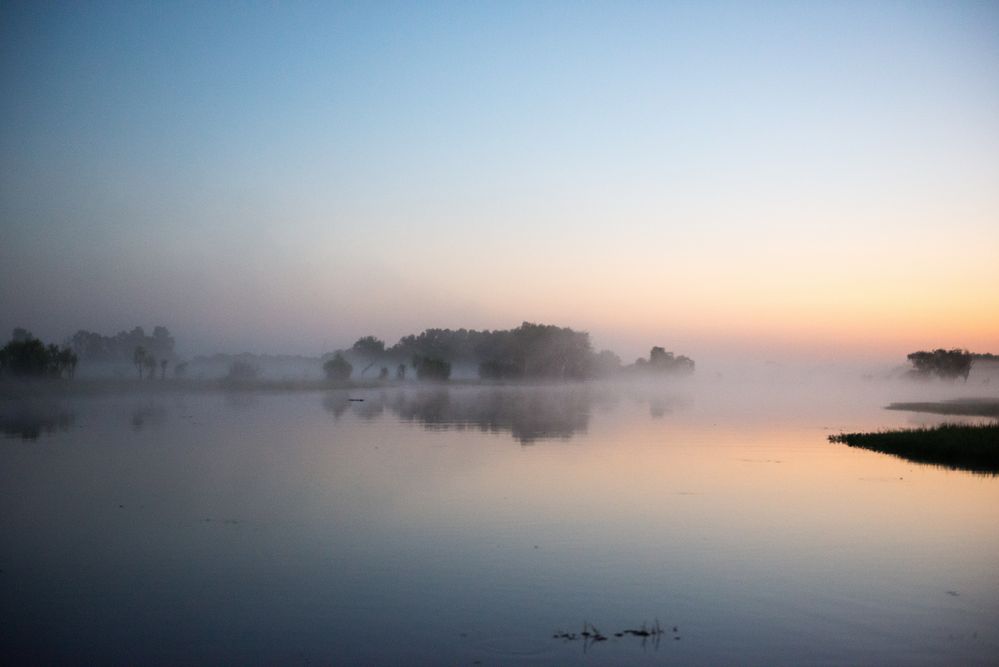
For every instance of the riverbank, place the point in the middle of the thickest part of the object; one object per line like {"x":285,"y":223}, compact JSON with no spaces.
{"x":969,"y":407}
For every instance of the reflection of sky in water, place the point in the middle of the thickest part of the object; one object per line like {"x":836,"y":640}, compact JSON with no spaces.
{"x":410,"y":528}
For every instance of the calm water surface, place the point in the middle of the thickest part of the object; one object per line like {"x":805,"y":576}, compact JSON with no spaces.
{"x":467,"y":525}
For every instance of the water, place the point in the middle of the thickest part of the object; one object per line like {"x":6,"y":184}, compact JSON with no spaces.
{"x":467,"y":525}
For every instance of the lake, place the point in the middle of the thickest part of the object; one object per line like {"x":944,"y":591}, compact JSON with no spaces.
{"x":468,"y":525}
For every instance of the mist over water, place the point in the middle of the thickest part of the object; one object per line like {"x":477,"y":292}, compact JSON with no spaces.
{"x":452,"y":524}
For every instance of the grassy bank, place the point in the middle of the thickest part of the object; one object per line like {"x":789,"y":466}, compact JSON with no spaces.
{"x":961,"y":446}
{"x":969,"y":407}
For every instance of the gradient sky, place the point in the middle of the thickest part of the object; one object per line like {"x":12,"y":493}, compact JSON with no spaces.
{"x":814,"y":179}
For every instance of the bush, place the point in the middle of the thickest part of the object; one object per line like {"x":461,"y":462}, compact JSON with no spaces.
{"x":338,"y":369}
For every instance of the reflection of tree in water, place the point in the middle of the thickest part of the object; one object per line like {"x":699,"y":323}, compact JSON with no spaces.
{"x":339,"y":403}
{"x":29,"y":421}
{"x":658,"y":408}
{"x":661,"y":404}
{"x":147,"y":414}
{"x":336,"y":404}
{"x":528,"y":413}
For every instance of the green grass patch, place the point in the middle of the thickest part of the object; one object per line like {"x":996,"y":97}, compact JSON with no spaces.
{"x":959,"y":446}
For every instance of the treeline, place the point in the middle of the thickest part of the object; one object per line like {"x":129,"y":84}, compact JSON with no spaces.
{"x":120,"y":348}
{"x":947,"y":364}
{"x":26,"y":356}
{"x":530,"y":351}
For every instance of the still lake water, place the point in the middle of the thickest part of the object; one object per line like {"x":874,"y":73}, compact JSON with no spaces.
{"x":466,"y":525}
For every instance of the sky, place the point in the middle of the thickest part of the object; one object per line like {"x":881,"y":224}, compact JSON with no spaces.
{"x":753,"y":180}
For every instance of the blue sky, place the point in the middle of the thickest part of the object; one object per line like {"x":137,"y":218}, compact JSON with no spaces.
{"x":713,"y":177}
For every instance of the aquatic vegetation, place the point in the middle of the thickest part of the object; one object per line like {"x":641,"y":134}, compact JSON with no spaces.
{"x":590,"y":634}
{"x":960,"y":446}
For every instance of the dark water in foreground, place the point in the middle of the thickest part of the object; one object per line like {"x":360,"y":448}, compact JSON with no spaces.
{"x":465,"y":526}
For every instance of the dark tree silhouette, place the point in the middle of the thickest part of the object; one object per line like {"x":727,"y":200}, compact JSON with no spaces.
{"x":436,"y":370}
{"x":369,"y":347}
{"x":67,"y":361}
{"x":338,"y":369}
{"x":528,"y":351}
{"x":948,"y":364}
{"x":119,"y":348}
{"x":26,"y":356}
{"x":661,"y":362}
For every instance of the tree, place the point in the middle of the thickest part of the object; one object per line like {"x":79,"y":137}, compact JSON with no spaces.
{"x":436,"y":370}
{"x":150,"y":364}
{"x":338,"y":369}
{"x":26,"y":356}
{"x":368,"y":347}
{"x":93,"y":347}
{"x":662,"y":362}
{"x":947,"y":364}
{"x":241,"y":371}
{"x":67,"y":361}
{"x":660,"y":358}
{"x":139,"y":358}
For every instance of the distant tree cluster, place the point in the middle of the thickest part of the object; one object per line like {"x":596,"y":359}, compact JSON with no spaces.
{"x":428,"y":368}
{"x":530,"y":351}
{"x":947,"y":364}
{"x":27,"y":356}
{"x":240,"y":372}
{"x":661,"y":362}
{"x":94,"y":348}
{"x":338,"y":369}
